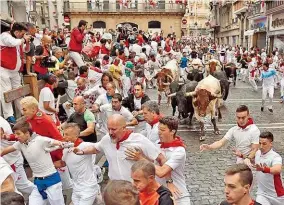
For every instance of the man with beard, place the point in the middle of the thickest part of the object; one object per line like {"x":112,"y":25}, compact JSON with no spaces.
{"x":114,"y":145}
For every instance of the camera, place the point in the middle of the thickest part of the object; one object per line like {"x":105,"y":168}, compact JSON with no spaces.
{"x":47,"y":62}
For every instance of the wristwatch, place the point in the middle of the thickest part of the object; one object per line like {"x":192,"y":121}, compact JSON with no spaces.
{"x":169,"y":181}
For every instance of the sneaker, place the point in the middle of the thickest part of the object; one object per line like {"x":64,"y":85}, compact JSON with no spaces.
{"x":261,"y":109}
{"x":270,"y":110}
{"x":11,"y":119}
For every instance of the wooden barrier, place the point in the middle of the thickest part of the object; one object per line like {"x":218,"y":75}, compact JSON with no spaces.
{"x":31,"y":87}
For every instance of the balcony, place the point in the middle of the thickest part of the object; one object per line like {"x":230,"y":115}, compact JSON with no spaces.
{"x":256,"y":10}
{"x":115,"y":7}
{"x":274,"y":6}
{"x":240,"y":7}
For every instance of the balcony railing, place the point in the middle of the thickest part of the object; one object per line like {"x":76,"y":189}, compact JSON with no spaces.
{"x":106,"y":6}
{"x":274,"y":4}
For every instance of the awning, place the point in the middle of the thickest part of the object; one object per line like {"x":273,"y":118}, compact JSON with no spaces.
{"x":249,"y":32}
{"x":275,"y":33}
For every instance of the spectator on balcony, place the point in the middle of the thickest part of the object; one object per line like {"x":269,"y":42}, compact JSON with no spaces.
{"x":11,"y":52}
{"x":76,"y":42}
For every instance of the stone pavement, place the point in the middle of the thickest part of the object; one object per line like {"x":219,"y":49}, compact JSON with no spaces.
{"x":205,"y":171}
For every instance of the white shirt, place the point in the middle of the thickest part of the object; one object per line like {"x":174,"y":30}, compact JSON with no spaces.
{"x":39,"y":160}
{"x":81,"y":169}
{"x":137,"y":49}
{"x":137,"y":103}
{"x":12,"y":157}
{"x":46,"y":95}
{"x":244,"y":138}
{"x":153,"y":132}
{"x":119,"y":166}
{"x":154,"y":46}
{"x":176,"y":157}
{"x":143,"y":55}
{"x":94,"y":76}
{"x":70,"y":90}
{"x":96,"y":91}
{"x":107,"y":111}
{"x":6,"y":39}
{"x":6,"y":171}
{"x":148,"y":49}
{"x":268,"y":184}
{"x":102,"y":100}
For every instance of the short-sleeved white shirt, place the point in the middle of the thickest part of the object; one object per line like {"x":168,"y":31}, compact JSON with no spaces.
{"x":244,"y":138}
{"x":269,"y":184}
{"x":153,"y":132}
{"x":107,"y":111}
{"x":81,"y":169}
{"x":12,"y":157}
{"x":176,"y":157}
{"x":102,"y":100}
{"x":119,"y":166}
{"x":46,"y":96}
{"x":39,"y":160}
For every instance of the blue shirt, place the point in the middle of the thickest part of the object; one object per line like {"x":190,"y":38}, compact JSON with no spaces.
{"x":183,"y":62}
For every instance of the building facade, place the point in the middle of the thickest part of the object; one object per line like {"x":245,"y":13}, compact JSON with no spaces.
{"x":196,"y":18}
{"x":14,"y":9}
{"x":275,"y":18}
{"x":143,"y":15}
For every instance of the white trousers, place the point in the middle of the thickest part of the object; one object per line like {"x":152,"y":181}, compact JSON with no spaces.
{"x":268,"y":200}
{"x":76,"y":57}
{"x":270,"y":91}
{"x":86,"y":197}
{"x":183,"y":201}
{"x":65,"y":178}
{"x":54,"y":196}
{"x":282,"y":88}
{"x":253,"y":83}
{"x":8,"y":81}
{"x":243,"y":74}
{"x":23,"y":184}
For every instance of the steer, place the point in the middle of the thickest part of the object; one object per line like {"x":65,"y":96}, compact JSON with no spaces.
{"x":205,"y":101}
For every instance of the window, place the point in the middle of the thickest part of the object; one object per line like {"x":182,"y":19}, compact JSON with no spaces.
{"x":99,"y":24}
{"x":154,"y":24}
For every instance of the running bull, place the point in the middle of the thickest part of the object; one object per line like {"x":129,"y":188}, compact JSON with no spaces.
{"x":205,"y":102}
{"x":184,"y":103}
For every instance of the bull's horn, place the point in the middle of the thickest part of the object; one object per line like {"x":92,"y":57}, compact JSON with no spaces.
{"x":166,"y":83}
{"x":172,"y":95}
{"x":190,"y":94}
{"x":180,"y":83}
{"x":217,"y":95}
{"x":170,"y":77}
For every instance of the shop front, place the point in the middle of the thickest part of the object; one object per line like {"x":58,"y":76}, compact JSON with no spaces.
{"x":276,"y":31}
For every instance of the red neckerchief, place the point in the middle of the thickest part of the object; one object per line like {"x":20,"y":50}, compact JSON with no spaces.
{"x":252,"y":202}
{"x":155,"y":120}
{"x":49,"y":86}
{"x":249,"y":122}
{"x":84,"y":75}
{"x":125,"y":137}
{"x":77,"y":142}
{"x":176,"y":143}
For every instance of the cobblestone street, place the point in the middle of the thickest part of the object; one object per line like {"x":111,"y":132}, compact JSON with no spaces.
{"x":205,"y":171}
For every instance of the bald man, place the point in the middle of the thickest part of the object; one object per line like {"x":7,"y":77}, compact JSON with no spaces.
{"x":114,"y":145}
{"x":85,"y":119}
{"x":82,"y":87}
{"x":42,"y":51}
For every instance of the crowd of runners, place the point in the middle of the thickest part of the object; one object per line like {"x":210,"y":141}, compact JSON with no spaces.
{"x":95,"y":102}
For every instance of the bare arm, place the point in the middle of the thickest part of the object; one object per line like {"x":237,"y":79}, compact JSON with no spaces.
{"x":88,"y":150}
{"x":133,"y":122}
{"x":47,"y":107}
{"x":215,"y":145}
{"x":90,"y":130}
{"x":7,"y":150}
{"x":254,"y":148}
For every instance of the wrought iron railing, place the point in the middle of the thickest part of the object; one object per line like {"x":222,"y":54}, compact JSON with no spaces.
{"x":130,"y":6}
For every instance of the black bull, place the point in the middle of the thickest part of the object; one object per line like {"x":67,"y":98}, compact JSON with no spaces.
{"x":179,"y":99}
